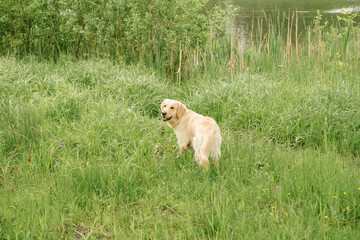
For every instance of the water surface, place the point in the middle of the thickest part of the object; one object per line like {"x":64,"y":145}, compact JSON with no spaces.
{"x":307,"y":9}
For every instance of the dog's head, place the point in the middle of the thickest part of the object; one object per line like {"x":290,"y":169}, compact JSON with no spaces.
{"x":172,"y":110}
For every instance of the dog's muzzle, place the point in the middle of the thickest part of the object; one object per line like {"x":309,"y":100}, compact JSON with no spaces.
{"x":166,"y":119}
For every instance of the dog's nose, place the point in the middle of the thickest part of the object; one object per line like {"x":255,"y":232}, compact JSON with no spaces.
{"x":163,"y":113}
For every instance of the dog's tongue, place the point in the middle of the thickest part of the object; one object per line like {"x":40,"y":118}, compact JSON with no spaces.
{"x":164,"y":118}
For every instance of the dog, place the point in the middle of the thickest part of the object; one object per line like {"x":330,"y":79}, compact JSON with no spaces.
{"x":193,"y":130}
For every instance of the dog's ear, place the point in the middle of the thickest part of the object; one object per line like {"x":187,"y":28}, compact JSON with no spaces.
{"x":181,"y":110}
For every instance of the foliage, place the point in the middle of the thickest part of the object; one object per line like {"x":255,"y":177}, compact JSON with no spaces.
{"x":144,"y":30}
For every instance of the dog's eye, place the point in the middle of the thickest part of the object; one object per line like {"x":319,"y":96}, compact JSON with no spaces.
{"x":172,"y":108}
{"x":164,"y":105}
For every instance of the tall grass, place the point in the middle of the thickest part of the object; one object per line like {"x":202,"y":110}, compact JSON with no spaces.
{"x":84,"y":154}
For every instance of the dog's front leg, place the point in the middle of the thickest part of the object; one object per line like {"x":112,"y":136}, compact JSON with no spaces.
{"x":183,"y":147}
{"x":183,"y":143}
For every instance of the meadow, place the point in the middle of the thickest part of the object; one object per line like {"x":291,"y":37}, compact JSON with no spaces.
{"x":85,"y":155}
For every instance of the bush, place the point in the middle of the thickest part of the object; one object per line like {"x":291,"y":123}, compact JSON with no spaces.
{"x":152,"y":31}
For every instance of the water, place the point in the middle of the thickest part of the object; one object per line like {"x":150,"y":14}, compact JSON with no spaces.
{"x":307,"y":9}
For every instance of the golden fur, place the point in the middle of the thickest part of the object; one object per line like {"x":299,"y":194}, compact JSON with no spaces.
{"x":193,"y":130}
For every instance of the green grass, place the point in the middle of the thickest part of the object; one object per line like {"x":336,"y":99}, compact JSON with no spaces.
{"x":84,"y":154}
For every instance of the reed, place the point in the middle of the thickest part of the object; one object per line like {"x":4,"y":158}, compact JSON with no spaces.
{"x":280,"y":50}
{"x":278,"y":44}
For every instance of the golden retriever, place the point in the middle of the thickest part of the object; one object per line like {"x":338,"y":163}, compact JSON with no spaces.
{"x":193,"y":130}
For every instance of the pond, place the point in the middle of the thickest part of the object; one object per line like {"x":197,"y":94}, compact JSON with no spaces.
{"x":306,"y":9}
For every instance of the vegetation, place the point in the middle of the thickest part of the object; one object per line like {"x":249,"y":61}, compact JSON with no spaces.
{"x":84,"y":153}
{"x":180,"y":39}
{"x":150,"y":31}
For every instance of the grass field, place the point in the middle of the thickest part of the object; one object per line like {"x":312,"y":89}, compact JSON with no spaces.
{"x":84,"y":154}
